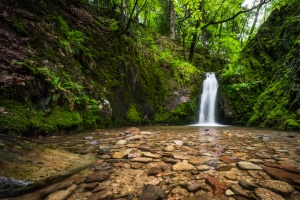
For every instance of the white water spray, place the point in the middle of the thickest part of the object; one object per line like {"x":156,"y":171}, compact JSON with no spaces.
{"x":208,"y":100}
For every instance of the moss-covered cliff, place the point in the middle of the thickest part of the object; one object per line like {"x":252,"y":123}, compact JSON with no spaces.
{"x":262,"y":87}
{"x":63,"y":69}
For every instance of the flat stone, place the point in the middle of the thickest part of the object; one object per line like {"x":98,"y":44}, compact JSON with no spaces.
{"x":223,"y":167}
{"x":136,"y":165}
{"x":247,"y":185}
{"x":154,"y":170}
{"x":91,"y":186}
{"x":247,"y":165}
{"x":103,"y":150}
{"x":59,"y":195}
{"x":121,"y":142}
{"x":229,"y":159}
{"x":219,"y":187}
{"x":229,"y":193}
{"x":203,"y":167}
{"x":152,"y":192}
{"x":182,"y":166}
{"x":282,"y":175}
{"x":264,"y":194}
{"x":104,"y":194}
{"x":170,"y":160}
{"x":254,"y":174}
{"x":151,"y":155}
{"x":169,"y":148}
{"x":181,"y":157}
{"x":100,"y":188}
{"x":133,"y":130}
{"x":178,"y":142}
{"x":276,"y":186}
{"x":284,"y":167}
{"x":180,"y":191}
{"x":199,"y":160}
{"x":193,"y":185}
{"x":121,"y":154}
{"x":141,"y":159}
{"x":97,"y":177}
{"x":237,"y":190}
{"x":145,"y":133}
{"x":231,"y":177}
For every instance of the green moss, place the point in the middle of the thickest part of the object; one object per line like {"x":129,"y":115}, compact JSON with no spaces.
{"x":133,"y":115}
{"x":15,"y":119}
{"x":20,"y":27}
{"x":23,"y":118}
{"x":182,"y":114}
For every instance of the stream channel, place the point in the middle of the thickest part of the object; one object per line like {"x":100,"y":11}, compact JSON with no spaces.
{"x":181,"y":162}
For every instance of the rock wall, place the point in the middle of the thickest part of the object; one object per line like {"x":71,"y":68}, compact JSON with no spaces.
{"x":63,"y":68}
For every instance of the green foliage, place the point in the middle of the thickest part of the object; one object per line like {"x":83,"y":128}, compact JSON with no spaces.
{"x":25,"y":118}
{"x":133,"y":115}
{"x":20,"y":27}
{"x":73,"y":37}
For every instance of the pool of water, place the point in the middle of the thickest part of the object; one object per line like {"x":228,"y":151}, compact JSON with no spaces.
{"x":178,"y":162}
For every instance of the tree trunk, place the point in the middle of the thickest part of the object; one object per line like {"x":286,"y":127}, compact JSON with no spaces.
{"x":122,"y":13}
{"x":195,"y":35}
{"x":172,"y":19}
{"x":255,"y":19}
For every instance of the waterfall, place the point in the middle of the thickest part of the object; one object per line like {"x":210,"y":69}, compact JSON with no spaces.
{"x":208,"y":100}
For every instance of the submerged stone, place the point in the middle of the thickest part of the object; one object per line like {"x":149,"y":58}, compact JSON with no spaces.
{"x":247,"y":165}
{"x":264,"y":194}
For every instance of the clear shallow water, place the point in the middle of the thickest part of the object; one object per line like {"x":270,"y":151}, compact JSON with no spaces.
{"x":128,"y":178}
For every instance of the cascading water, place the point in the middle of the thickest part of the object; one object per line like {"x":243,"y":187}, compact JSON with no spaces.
{"x":208,"y":100}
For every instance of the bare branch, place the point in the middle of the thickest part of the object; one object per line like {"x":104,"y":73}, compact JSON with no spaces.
{"x":235,"y":15}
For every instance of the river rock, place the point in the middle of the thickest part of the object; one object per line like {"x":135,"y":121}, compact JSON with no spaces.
{"x":284,"y":167}
{"x":154,"y":170}
{"x":121,"y":142}
{"x":136,"y":165}
{"x":178,"y":142}
{"x":219,"y":187}
{"x":151,"y":155}
{"x":193,"y":185}
{"x":230,"y":176}
{"x":91,"y":186}
{"x":276,"y":186}
{"x":104,"y":194}
{"x":134,"y":153}
{"x":104,"y":150}
{"x":282,"y":175}
{"x":141,"y":159}
{"x":248,"y":185}
{"x":169,"y":148}
{"x":229,"y":159}
{"x":229,"y":193}
{"x":59,"y":195}
{"x":151,"y":192}
{"x":199,"y":160}
{"x":97,"y":177}
{"x":264,"y":194}
{"x":133,"y":130}
{"x":170,"y":160}
{"x":100,"y":187}
{"x":247,"y":165}
{"x":203,"y":167}
{"x":237,"y":190}
{"x":145,"y":133}
{"x":121,"y":154}
{"x":182,"y":166}
{"x":223,"y":167}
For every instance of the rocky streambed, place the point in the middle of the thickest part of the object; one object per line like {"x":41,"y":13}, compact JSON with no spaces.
{"x":180,"y":162}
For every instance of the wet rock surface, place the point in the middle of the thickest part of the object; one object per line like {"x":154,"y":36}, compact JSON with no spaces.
{"x":181,"y":163}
